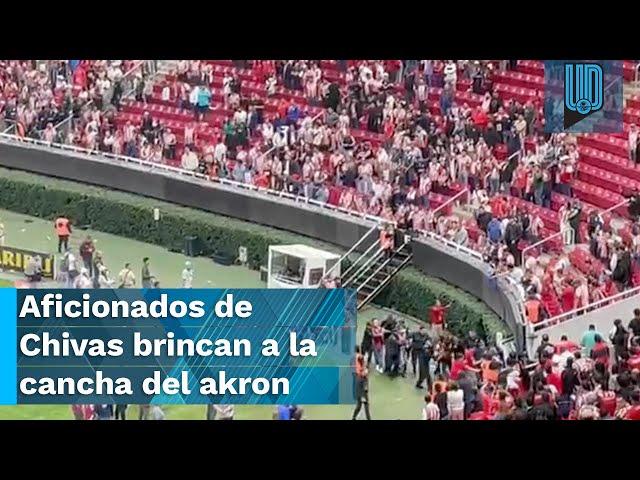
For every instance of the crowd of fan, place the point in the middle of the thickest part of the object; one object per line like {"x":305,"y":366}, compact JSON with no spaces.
{"x":36,"y":96}
{"x":417,"y":149}
{"x":504,"y":229}
{"x":419,"y":152}
{"x":597,"y":377}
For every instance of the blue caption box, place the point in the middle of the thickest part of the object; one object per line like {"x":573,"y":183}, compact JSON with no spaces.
{"x":208,"y":355}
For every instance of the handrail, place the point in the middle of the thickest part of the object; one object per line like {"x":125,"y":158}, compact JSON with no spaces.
{"x":638,"y":72}
{"x":353,"y":265}
{"x":616,"y":206}
{"x":140,"y":64}
{"x":451,"y":244}
{"x":455,"y":197}
{"x":384,"y":283}
{"x":350,"y":251}
{"x":12,"y":126}
{"x":515,"y":154}
{"x":365,"y":265}
{"x":540,"y":242}
{"x":572,"y":315}
{"x":384,"y":264}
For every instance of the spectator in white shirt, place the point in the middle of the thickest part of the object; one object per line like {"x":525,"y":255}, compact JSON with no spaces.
{"x":455,"y":402}
{"x":108,"y":142}
{"x":189,"y":160}
{"x":240,"y":116}
{"x":104,"y":281}
{"x":49,"y":133}
{"x":267,"y":131}
{"x":220,"y":152}
{"x":280,"y":138}
{"x":187,"y":275}
{"x":170,"y":144}
{"x":270,"y":86}
{"x":450,"y":73}
{"x":430,"y":410}
{"x":193,"y":96}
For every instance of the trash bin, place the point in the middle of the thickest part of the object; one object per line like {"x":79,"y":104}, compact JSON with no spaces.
{"x":222,"y":259}
{"x":191,"y":246}
{"x":264,"y":274}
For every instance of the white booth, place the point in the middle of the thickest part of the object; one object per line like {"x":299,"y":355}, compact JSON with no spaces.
{"x":300,"y":266}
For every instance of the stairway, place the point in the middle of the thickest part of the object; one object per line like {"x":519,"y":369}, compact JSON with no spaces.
{"x":373,"y":270}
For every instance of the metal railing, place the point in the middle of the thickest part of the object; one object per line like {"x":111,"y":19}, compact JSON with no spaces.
{"x":127,"y":83}
{"x":539,"y":243}
{"x":351,"y":250}
{"x":381,"y":266}
{"x":616,"y":206}
{"x":365,"y":266}
{"x":65,"y":125}
{"x":451,"y":200}
{"x":452,"y":245}
{"x":11,"y":128}
{"x":449,"y":246}
{"x":575,"y":314}
{"x":569,"y":230}
{"x":365,"y":255}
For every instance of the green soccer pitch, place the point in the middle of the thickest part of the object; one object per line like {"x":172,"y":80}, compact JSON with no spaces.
{"x":390,"y":399}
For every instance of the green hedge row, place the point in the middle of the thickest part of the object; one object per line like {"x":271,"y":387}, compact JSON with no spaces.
{"x":131,"y":216}
{"x":412,"y":292}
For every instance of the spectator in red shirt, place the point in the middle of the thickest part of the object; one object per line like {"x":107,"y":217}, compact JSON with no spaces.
{"x":566,"y":345}
{"x":634,"y":411}
{"x":438,"y":312}
{"x":600,"y":351}
{"x":568,"y":297}
{"x":634,"y":362}
{"x":553,"y":378}
{"x":608,"y":403}
{"x":377,"y":333}
{"x":458,"y":365}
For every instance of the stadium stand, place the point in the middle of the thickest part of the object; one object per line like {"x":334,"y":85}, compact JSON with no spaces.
{"x":454,"y":148}
{"x":408,"y":142}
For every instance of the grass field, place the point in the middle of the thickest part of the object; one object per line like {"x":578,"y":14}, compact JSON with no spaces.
{"x":390,"y":398}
